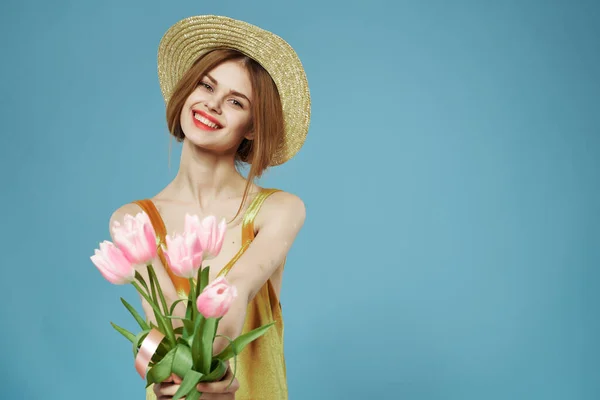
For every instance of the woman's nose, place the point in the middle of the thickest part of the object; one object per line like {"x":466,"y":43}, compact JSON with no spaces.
{"x":213,"y":104}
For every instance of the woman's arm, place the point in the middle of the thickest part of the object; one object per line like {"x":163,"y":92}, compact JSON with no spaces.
{"x":279,"y":221}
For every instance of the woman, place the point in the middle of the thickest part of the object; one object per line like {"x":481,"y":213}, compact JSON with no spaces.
{"x":235,"y":94}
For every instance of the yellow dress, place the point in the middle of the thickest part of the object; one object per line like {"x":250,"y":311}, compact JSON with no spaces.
{"x":261,"y":369}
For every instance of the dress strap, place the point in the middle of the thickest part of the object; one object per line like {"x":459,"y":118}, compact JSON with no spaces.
{"x":250,"y":216}
{"x":248,"y":226}
{"x":182,"y":285}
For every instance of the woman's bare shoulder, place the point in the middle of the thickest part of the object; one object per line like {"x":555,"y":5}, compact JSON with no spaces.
{"x":284,"y":199}
{"x":282,"y":204}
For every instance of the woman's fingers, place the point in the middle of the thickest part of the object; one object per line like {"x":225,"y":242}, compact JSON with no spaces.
{"x":221,"y":386}
{"x":166,"y":390}
{"x":220,"y":390}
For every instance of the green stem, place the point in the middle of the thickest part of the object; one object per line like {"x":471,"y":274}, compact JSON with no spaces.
{"x":193,"y":298}
{"x":144,"y":286}
{"x":153,"y":277}
{"x":168,"y":327}
{"x":152,"y":291}
{"x":140,"y":278}
{"x":146,"y":294}
{"x":163,"y":301}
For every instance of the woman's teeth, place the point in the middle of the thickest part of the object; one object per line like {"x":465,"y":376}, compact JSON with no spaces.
{"x":205,"y":121}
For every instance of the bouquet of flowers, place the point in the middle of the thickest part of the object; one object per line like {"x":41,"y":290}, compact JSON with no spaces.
{"x":186,"y":351}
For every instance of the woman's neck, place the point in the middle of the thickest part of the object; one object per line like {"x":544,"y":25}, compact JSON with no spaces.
{"x":205,"y":177}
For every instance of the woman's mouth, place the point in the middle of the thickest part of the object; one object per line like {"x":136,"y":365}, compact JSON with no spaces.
{"x":203,"y":122}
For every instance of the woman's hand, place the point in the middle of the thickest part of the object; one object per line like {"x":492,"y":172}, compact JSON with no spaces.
{"x":220,"y":390}
{"x":210,"y":390}
{"x":167,"y":388}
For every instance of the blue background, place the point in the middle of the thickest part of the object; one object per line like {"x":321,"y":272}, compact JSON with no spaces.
{"x":451,"y":179}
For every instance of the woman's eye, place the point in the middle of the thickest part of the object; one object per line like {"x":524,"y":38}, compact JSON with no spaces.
{"x":206,"y":85}
{"x":236,"y":103}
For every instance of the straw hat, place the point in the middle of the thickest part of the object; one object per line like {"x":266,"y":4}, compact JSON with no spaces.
{"x":189,"y":38}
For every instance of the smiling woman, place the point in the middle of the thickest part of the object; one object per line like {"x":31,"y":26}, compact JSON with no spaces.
{"x":234,"y":94}
{"x":228,"y":106}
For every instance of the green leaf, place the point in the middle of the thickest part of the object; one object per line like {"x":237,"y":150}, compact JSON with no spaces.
{"x":215,"y":327}
{"x":242,"y":341}
{"x":234,"y":359}
{"x":197,"y":348}
{"x":189,"y":328}
{"x":178,"y":330}
{"x":153,"y":303}
{"x":175,"y":317}
{"x":128,"y":335}
{"x":182,"y":362}
{"x":140,"y":278}
{"x":172,"y":309}
{"x":208,"y":336}
{"x":168,"y":325}
{"x":138,"y":340}
{"x":159,"y":317}
{"x":218,"y":371}
{"x":153,"y":277}
{"x":183,"y":341}
{"x":152,"y":286}
{"x":191,"y":309}
{"x":162,"y":349}
{"x":193,"y":395}
{"x":199,"y":281}
{"x":162,"y":369}
{"x":141,"y":322}
{"x":203,"y":280}
{"x":162,"y":324}
{"x":190,"y":380}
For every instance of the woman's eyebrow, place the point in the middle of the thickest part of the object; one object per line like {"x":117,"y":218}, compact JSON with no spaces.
{"x":212,"y":79}
{"x":234,"y":92}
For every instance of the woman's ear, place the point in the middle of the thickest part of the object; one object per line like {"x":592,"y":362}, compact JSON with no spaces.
{"x":249,"y":135}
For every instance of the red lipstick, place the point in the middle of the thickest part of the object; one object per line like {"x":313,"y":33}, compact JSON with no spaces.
{"x":210,"y":118}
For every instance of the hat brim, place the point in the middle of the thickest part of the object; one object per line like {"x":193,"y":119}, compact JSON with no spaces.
{"x":188,"y":39}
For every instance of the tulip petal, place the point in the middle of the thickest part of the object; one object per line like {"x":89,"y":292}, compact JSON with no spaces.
{"x":136,"y":238}
{"x":184,"y":254}
{"x":216,"y":299}
{"x":112,"y":264}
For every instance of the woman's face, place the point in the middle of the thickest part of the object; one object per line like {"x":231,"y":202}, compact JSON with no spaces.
{"x":217,"y":114}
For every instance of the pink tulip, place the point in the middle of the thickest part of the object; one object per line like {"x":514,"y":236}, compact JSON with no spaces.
{"x":210,"y":233}
{"x":216,"y":298}
{"x":112,"y":264}
{"x":184,"y":254}
{"x":136,"y":238}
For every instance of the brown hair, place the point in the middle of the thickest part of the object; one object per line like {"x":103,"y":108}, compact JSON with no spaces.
{"x":267,"y":120}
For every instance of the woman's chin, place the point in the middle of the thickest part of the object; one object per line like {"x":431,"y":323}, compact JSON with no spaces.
{"x":209,"y":146}
{"x":201,"y":139}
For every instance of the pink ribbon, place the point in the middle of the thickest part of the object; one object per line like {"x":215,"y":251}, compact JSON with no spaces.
{"x":147,"y":350}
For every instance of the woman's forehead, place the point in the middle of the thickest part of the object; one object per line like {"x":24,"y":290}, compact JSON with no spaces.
{"x":232,"y":75}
